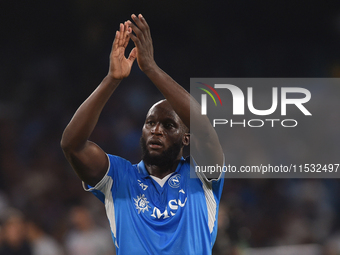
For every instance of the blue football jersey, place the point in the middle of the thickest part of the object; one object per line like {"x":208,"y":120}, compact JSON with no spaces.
{"x":145,"y":218}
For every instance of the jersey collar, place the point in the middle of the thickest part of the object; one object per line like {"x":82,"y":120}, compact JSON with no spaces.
{"x":144,"y":173}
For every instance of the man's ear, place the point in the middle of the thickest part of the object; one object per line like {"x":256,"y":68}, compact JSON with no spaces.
{"x":186,"y":139}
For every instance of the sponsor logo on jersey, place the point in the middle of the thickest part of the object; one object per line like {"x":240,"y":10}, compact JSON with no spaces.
{"x":141,"y":204}
{"x":174,"y":181}
{"x":170,"y":209}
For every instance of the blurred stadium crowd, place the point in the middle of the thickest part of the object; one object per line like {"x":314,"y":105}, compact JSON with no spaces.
{"x":53,"y":55}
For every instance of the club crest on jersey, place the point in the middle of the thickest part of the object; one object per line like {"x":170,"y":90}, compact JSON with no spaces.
{"x":174,"y":181}
{"x":141,"y":204}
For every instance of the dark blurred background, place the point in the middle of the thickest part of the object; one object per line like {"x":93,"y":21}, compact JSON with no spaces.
{"x":54,"y":53}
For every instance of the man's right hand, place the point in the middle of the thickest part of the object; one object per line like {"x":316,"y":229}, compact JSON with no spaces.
{"x":87,"y":158}
{"x":120,"y":66}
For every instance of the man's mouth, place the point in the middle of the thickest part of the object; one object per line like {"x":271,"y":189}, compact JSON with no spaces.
{"x":155,"y":144}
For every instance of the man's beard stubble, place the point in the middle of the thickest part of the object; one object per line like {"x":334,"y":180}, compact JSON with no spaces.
{"x":166,"y":159}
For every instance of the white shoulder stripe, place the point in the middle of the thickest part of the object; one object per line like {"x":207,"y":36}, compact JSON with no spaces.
{"x":110,"y":208}
{"x":105,"y":186}
{"x":210,"y":200}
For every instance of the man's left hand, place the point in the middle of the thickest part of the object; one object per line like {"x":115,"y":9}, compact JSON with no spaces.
{"x":143,"y":43}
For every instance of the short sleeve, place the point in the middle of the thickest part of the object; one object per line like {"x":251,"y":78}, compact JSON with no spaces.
{"x":115,"y":173}
{"x":216,"y":184}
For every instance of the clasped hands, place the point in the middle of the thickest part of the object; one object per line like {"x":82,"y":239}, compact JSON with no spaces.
{"x":120,"y":66}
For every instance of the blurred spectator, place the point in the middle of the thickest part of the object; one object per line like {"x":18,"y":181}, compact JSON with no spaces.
{"x":86,"y":238}
{"x":222,"y":245}
{"x":41,"y":243}
{"x":14,"y":234}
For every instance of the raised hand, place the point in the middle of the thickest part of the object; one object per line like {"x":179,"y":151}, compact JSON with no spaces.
{"x":143,"y":42}
{"x":120,"y":66}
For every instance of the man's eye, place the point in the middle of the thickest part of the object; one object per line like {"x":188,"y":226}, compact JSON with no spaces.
{"x":151,"y":123}
{"x":169,"y":125}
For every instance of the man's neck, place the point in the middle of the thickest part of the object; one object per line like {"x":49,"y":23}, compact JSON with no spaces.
{"x":160,"y":171}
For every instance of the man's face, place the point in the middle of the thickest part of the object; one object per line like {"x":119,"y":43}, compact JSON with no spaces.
{"x":163,"y":135}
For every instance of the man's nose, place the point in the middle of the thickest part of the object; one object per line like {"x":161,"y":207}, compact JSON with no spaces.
{"x":157,"y":129}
